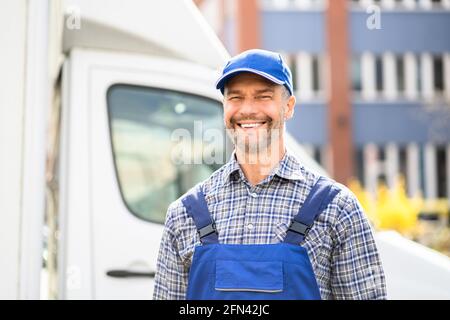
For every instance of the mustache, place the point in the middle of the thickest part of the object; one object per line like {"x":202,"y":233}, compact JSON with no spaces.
{"x":235,"y":120}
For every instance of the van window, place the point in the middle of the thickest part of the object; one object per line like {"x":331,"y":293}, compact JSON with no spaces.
{"x":163,"y":142}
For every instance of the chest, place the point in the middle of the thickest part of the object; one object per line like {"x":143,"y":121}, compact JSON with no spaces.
{"x":245,"y":215}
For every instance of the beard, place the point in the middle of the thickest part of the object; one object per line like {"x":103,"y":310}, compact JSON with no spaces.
{"x":257,"y":143}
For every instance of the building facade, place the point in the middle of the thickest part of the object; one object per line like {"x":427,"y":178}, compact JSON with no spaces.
{"x":372,"y":81}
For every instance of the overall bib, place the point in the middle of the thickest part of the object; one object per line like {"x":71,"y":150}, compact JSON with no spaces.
{"x":255,"y":272}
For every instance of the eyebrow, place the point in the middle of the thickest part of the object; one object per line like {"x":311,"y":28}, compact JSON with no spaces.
{"x":230,"y":92}
{"x":265,"y":90}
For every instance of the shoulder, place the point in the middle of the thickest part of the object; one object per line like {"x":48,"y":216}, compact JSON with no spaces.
{"x":348,"y":215}
{"x":344,"y":211}
{"x":176,"y":216}
{"x":348,"y":203}
{"x":345,"y":203}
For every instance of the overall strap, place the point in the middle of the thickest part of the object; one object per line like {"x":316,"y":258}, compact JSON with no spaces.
{"x":322,"y":193}
{"x":197,"y":208}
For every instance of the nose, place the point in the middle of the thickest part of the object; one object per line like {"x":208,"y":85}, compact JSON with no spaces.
{"x":248,"y":107}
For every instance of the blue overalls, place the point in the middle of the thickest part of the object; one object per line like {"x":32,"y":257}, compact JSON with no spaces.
{"x":255,"y":272}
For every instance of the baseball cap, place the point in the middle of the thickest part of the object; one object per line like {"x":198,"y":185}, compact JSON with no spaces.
{"x":267,"y":64}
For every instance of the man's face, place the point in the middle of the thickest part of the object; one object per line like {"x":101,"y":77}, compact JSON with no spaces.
{"x":255,"y":110}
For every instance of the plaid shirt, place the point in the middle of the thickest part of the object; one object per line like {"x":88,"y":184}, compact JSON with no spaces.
{"x":340,"y":244}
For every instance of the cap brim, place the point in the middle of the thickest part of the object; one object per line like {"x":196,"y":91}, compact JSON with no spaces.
{"x":220,"y":84}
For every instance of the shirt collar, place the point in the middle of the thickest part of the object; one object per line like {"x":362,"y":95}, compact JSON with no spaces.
{"x":288,"y":168}
{"x":230,"y":167}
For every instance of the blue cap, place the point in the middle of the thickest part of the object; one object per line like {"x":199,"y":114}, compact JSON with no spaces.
{"x":267,"y":64}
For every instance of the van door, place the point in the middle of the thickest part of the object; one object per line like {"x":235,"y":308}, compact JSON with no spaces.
{"x":143,"y":133}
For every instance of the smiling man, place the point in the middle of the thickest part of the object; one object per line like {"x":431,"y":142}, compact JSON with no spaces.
{"x":263,"y":226}
{"x":255,"y":110}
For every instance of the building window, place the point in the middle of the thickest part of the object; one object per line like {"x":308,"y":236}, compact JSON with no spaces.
{"x":359,"y":167}
{"x":438,"y":75}
{"x":441,"y":166}
{"x":418,"y":61}
{"x":403,"y":164}
{"x":400,"y":73}
{"x":307,"y":76}
{"x":392,"y":76}
{"x":317,"y":154}
{"x":379,"y":73}
{"x":356,"y":73}
{"x":422,"y":175}
{"x":432,"y":76}
{"x":316,"y":74}
{"x":293,"y":66}
{"x":382,"y":153}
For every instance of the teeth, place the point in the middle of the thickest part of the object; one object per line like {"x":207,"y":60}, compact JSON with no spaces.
{"x":250,"y":125}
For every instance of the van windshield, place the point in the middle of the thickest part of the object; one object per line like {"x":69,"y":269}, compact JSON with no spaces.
{"x":163,"y":142}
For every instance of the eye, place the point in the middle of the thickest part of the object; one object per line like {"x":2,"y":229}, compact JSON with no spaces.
{"x":264,"y":97}
{"x":234,"y":98}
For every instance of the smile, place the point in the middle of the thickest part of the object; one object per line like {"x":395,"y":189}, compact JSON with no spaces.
{"x":250,"y":125}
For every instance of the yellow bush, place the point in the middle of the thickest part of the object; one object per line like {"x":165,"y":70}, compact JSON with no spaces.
{"x":392,"y":209}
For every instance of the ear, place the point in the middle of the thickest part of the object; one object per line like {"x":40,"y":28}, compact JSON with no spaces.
{"x":290,"y":106}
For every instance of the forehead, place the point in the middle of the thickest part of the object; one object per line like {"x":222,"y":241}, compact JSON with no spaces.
{"x":249,"y":80}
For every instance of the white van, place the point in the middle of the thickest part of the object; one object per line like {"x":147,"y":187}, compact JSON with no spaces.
{"x":106,"y":87}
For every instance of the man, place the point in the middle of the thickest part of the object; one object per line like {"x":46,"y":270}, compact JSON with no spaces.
{"x":263,"y":226}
